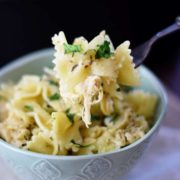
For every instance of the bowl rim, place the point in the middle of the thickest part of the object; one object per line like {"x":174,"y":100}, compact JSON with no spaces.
{"x":23,"y":60}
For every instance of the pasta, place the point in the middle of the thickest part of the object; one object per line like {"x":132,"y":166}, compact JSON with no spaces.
{"x":81,"y":106}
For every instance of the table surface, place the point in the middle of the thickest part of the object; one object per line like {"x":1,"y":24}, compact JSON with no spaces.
{"x":171,"y":124}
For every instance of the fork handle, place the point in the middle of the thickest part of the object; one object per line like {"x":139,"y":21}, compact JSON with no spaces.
{"x":168,"y":30}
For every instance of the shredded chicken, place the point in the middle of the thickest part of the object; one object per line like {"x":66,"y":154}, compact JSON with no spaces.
{"x":93,"y":94}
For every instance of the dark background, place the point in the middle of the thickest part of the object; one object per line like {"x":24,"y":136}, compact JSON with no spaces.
{"x":26,"y":26}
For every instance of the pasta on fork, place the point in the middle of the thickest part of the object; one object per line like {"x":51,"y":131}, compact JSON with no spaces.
{"x":86,"y":104}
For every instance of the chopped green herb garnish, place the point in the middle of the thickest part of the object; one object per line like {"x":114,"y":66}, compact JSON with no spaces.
{"x":118,"y":89}
{"x":80,"y":145}
{"x":70,"y":116}
{"x":68,"y":48}
{"x":54,"y":97}
{"x":54,"y":83}
{"x":123,"y":146}
{"x":104,"y":50}
{"x":28,"y":108}
{"x":112,"y":118}
{"x":95,"y":118}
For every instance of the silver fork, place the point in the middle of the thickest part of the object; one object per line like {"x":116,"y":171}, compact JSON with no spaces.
{"x":140,"y":53}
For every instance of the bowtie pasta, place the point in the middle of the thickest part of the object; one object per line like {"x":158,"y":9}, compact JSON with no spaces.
{"x":85,"y":105}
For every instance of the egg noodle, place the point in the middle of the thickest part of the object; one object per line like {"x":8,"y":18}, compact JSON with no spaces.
{"x":85,"y":105}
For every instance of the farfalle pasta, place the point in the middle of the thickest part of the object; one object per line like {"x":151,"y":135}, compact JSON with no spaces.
{"x":85,"y":105}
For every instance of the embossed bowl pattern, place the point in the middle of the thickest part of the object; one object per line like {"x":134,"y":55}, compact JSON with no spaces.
{"x":107,"y":166}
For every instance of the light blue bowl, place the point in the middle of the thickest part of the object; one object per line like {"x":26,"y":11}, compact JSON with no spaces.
{"x":107,"y":166}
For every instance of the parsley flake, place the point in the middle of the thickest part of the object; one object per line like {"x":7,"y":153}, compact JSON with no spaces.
{"x":70,"y":116}
{"x":115,"y":117}
{"x":80,"y":145}
{"x":54,"y":97}
{"x":118,"y":89}
{"x":54,"y":83}
{"x":28,"y":108}
{"x":104,"y":50}
{"x":95,"y":118}
{"x":68,"y":48}
{"x":112,"y":118}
